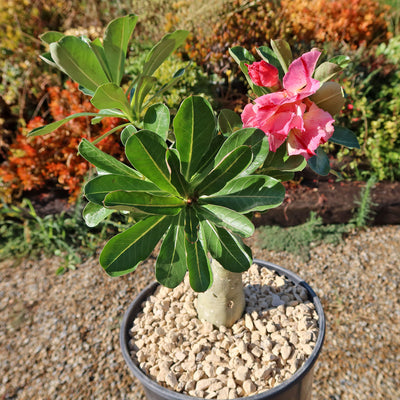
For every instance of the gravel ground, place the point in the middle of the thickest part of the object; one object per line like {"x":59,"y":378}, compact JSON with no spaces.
{"x":59,"y":335}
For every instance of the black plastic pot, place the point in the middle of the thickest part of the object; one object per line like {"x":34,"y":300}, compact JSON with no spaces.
{"x":298,"y":387}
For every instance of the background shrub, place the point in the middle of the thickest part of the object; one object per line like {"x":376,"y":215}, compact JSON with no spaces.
{"x":52,"y":161}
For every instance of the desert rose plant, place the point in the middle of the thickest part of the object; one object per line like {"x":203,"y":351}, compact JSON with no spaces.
{"x":194,"y":185}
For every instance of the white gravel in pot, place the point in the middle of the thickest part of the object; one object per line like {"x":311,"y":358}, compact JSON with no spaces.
{"x":266,"y":346}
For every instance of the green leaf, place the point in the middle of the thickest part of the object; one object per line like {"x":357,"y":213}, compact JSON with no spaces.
{"x":229,"y":121}
{"x":116,"y":39}
{"x":162,"y":50}
{"x":255,"y":139}
{"x":280,"y":161}
{"x":109,"y":113}
{"x":226,"y":218}
{"x":46,"y":57}
{"x":125,"y":251}
{"x":157,"y":119}
{"x":320,"y":163}
{"x":282,"y":51}
{"x":242,"y":57}
{"x":247,"y":194}
{"x":171,"y":261}
{"x":327,"y":71}
{"x":147,"y":202}
{"x":43,"y":130}
{"x":77,"y":59}
{"x":147,"y":152}
{"x":227,"y":169}
{"x":341,"y":60}
{"x":51,"y":36}
{"x":271,"y":58}
{"x":175,"y":78}
{"x":226,"y":248}
{"x":98,"y":188}
{"x":127,"y":133}
{"x":110,"y":95}
{"x":200,"y":275}
{"x":143,"y":88}
{"x":194,"y":127}
{"x":93,"y":214}
{"x":177,"y":179}
{"x":104,"y":161}
{"x":345,"y":137}
{"x":207,"y":162}
{"x":98,"y":49}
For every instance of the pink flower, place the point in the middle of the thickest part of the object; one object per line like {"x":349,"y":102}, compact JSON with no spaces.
{"x":263,"y":74}
{"x":317,"y":129}
{"x":288,"y":114}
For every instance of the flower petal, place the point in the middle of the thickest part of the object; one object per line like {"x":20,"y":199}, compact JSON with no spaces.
{"x":318,"y":128}
{"x":298,"y":79}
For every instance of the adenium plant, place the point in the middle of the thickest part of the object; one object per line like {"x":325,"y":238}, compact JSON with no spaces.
{"x":195,"y":184}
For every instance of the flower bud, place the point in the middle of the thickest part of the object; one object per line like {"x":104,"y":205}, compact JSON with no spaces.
{"x":329,"y":97}
{"x":263,"y":74}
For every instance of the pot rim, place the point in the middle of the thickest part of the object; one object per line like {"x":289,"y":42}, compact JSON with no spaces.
{"x":130,"y":313}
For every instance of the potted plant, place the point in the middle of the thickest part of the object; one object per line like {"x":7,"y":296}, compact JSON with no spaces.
{"x":194,"y":188}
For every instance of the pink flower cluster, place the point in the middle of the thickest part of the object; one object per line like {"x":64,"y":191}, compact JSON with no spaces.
{"x":288,"y":114}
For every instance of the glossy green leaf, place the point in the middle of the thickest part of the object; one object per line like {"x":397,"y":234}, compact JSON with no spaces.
{"x":283,"y":52}
{"x":110,"y":95}
{"x":243,"y":57}
{"x":150,"y":203}
{"x":341,"y":60}
{"x":104,"y":161}
{"x":127,"y":133}
{"x":98,"y":188}
{"x":77,"y":59}
{"x":46,"y":57}
{"x":147,"y":152}
{"x":280,"y":161}
{"x":106,"y":113}
{"x":162,"y":50}
{"x":51,"y":36}
{"x":226,"y":218}
{"x":229,"y":121}
{"x":227,"y":169}
{"x":125,"y":251}
{"x":320,"y":162}
{"x":93,"y":214}
{"x":207,"y":162}
{"x":177,"y":179}
{"x":143,"y":88}
{"x":345,"y":137}
{"x":200,"y":275}
{"x":43,"y":130}
{"x":194,"y":127}
{"x":327,"y":71}
{"x":171,"y":261}
{"x":271,"y":58}
{"x":157,"y":119}
{"x":98,"y":49}
{"x":116,"y":39}
{"x":255,"y":139}
{"x":226,"y":248}
{"x":247,"y":194}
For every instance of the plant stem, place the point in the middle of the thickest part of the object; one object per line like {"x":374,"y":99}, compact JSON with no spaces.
{"x":224,"y":302}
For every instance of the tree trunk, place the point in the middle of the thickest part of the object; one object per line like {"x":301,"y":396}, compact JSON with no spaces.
{"x":224,"y":302}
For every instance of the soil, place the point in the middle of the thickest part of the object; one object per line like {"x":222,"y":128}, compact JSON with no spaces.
{"x":334,"y":201}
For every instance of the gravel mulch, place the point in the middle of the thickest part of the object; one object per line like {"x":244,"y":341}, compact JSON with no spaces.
{"x":59,"y":335}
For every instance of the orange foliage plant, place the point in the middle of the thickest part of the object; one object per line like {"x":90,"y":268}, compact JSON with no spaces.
{"x":52,"y":160}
